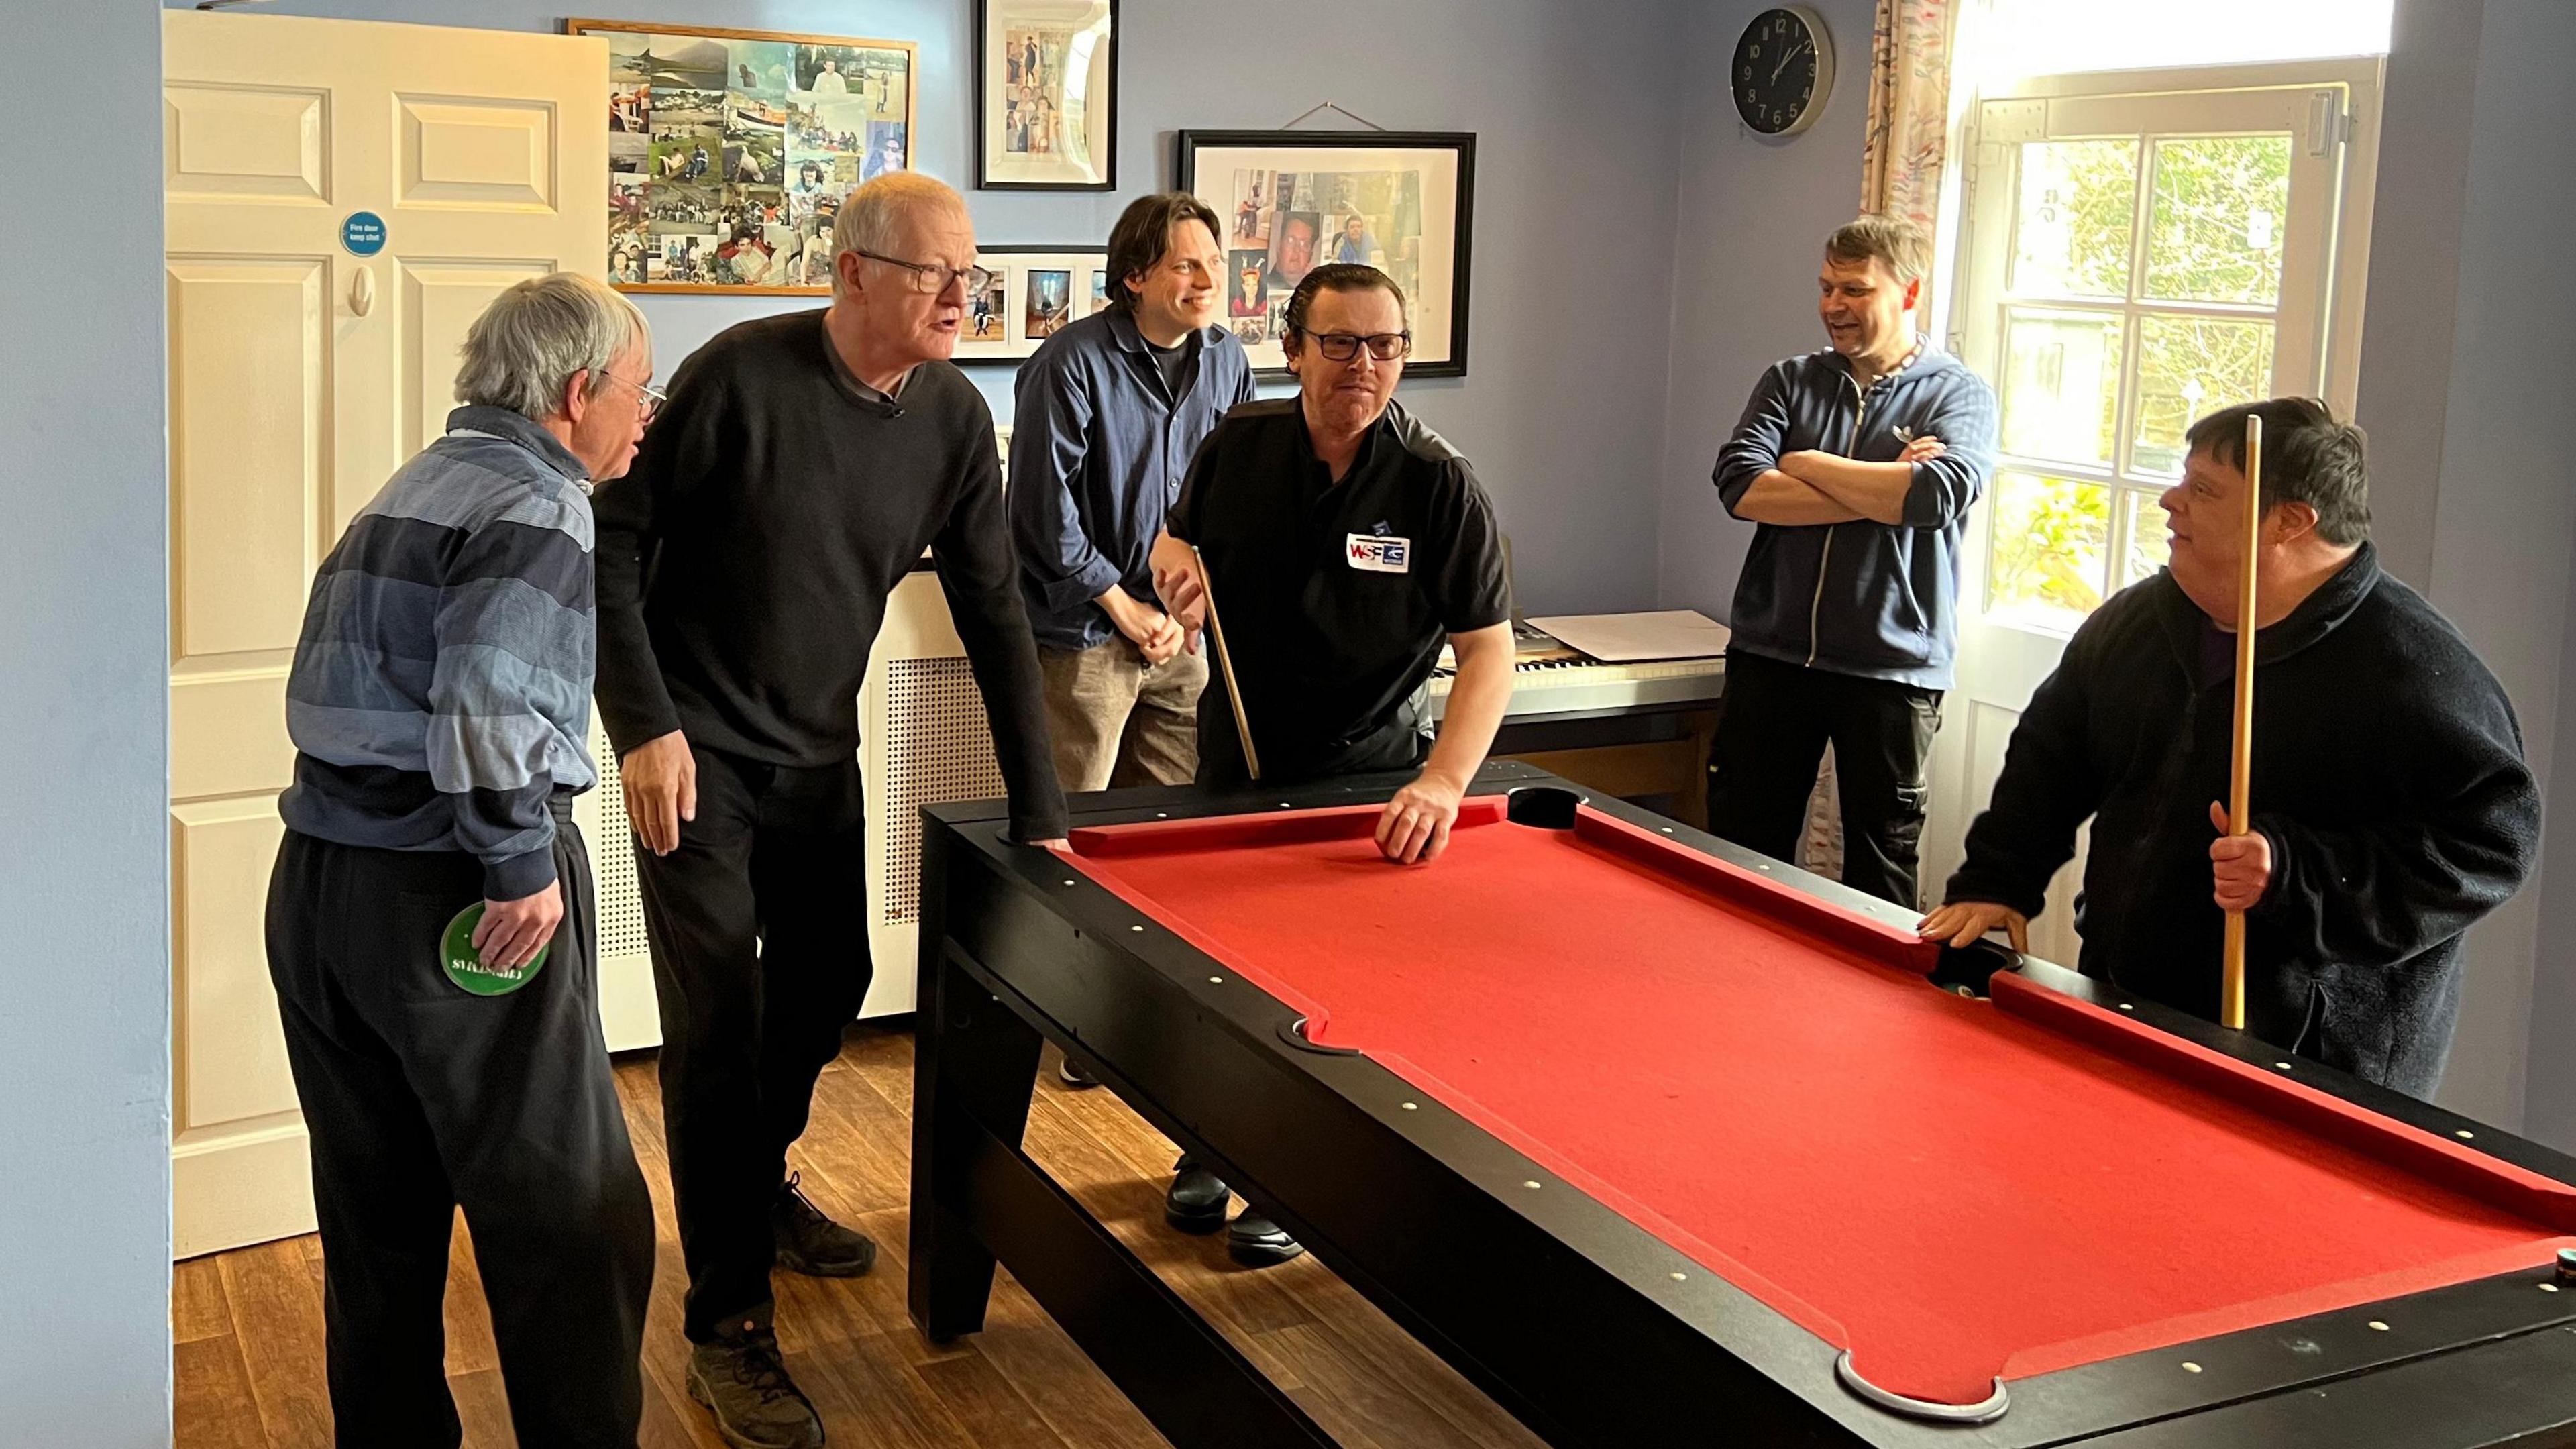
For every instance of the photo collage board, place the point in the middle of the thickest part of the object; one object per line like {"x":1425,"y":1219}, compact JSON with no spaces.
{"x":730,"y":151}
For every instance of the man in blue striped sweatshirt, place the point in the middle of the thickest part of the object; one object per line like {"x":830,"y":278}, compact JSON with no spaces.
{"x":439,"y":705}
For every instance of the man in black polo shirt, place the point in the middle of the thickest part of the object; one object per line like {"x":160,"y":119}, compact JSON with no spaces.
{"x":1345,"y":543}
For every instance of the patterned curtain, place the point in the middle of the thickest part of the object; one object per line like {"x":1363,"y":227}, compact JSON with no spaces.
{"x":1900,"y":174}
{"x":1909,"y":108}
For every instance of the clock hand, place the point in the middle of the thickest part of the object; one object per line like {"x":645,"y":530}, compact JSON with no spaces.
{"x":1792,"y":54}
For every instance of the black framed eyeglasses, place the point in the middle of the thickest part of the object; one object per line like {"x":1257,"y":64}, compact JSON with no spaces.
{"x":930,"y":279}
{"x":1343,"y":346}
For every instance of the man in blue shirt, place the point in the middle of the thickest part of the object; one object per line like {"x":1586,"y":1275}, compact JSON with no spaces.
{"x":1107,"y":416}
{"x":1105,"y":420}
{"x":1859,"y":463}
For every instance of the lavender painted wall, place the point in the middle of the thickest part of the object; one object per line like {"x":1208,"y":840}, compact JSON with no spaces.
{"x":1563,"y":410}
{"x":84,"y":808}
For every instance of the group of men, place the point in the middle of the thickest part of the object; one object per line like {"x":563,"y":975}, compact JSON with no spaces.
{"x":720,"y":592}
{"x":719,"y":596}
{"x":2394,"y":804}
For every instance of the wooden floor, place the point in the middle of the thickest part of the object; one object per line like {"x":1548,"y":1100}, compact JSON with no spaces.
{"x":248,"y":1325}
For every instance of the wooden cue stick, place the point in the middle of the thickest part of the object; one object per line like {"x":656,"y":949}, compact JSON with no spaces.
{"x":1225,"y":663}
{"x":2240,"y":755}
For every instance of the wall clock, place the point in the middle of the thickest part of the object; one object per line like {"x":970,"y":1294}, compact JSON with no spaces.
{"x":1783,"y":68}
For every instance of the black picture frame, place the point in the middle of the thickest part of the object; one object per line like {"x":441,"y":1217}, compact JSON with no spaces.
{"x":1400,"y":229}
{"x":995,"y":168}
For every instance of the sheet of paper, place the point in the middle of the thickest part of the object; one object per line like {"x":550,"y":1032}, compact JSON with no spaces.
{"x":1623,"y":638}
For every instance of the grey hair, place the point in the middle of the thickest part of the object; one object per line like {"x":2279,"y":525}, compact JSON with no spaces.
{"x":537,"y":334}
{"x":871,"y":219}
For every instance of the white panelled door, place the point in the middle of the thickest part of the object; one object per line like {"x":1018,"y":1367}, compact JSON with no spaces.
{"x":301,"y":375}
{"x":2139,"y":250}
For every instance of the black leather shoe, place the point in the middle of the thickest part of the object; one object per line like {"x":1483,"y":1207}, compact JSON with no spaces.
{"x":1074,"y":1076}
{"x":1257,"y":1242}
{"x":812,"y":1244}
{"x":1196,"y":1203}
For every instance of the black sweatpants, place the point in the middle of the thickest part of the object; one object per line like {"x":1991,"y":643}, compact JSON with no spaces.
{"x":421,"y":1098}
{"x":759,"y":925}
{"x":1770,"y":739}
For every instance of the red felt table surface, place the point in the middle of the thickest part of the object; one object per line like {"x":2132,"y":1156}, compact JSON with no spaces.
{"x":1954,"y":1190}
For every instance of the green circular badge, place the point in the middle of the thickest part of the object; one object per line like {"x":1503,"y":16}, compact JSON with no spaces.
{"x":465,"y":965}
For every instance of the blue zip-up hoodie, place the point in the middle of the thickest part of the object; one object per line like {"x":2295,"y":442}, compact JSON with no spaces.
{"x":1876,"y":600}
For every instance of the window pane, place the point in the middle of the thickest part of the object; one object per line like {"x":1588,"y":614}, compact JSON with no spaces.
{"x":2215,"y":233}
{"x":2078,"y":203}
{"x":2049,"y":540}
{"x":2188,"y":366}
{"x":2061,"y":385}
{"x":2149,"y":547}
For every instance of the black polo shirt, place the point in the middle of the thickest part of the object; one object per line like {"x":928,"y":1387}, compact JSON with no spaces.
{"x":1335,"y":598}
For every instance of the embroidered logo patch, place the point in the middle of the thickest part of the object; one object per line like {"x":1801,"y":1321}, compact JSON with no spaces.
{"x":1381,"y":554}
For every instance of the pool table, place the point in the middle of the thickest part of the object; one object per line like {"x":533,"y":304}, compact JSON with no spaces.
{"x":1663,"y":1143}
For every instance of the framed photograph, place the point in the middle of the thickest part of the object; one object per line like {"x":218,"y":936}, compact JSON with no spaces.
{"x":1035,"y":291}
{"x":1046,"y":95}
{"x":1401,"y":201}
{"x":729,"y":151}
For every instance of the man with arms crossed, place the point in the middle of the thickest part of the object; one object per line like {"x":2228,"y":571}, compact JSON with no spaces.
{"x":1108,"y":414}
{"x":440,"y":708}
{"x":802,"y":465}
{"x":2393,"y":805}
{"x":1859,"y":464}
{"x":1345,"y":543}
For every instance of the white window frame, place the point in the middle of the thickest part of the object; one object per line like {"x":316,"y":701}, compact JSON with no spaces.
{"x":2350,"y":126}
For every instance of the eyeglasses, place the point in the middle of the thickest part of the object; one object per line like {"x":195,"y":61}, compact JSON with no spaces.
{"x":1343,"y":346}
{"x":647,"y":399}
{"x":930,"y":279}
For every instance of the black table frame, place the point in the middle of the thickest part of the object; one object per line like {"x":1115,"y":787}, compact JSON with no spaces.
{"x":1589,"y":1329}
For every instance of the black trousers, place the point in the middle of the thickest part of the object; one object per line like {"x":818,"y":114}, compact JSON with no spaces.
{"x":1770,"y":740}
{"x":759,"y":926}
{"x":421,"y":1098}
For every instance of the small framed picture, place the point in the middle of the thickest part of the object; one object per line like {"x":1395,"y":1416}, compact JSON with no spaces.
{"x":1046,"y":88}
{"x":1401,"y":201}
{"x":1034,"y":293}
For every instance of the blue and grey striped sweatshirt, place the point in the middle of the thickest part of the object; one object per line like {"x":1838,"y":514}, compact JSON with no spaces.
{"x":441,"y":692}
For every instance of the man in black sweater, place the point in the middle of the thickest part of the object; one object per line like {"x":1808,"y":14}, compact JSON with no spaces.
{"x":800,"y":468}
{"x":2392,"y":808}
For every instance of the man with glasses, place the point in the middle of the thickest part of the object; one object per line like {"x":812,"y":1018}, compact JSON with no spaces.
{"x":800,"y":468}
{"x":1344,"y":543}
{"x":439,"y":705}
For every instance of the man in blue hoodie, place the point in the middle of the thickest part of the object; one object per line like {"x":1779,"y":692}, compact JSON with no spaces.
{"x":1859,"y":464}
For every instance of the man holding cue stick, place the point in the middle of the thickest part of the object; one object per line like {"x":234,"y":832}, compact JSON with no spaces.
{"x":1348,"y":542}
{"x":2396,"y":808}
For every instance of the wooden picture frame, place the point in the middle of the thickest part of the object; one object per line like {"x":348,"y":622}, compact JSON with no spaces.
{"x":731,"y":150}
{"x":1039,"y":290}
{"x":1046,"y":95}
{"x":1403,"y":201}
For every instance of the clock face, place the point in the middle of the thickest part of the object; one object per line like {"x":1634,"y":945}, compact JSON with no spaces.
{"x":1780,"y":72}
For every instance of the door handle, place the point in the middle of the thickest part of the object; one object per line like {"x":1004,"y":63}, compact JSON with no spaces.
{"x":362,"y":291}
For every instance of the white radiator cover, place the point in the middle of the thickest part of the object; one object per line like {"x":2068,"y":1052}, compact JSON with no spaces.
{"x":923,"y":741}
